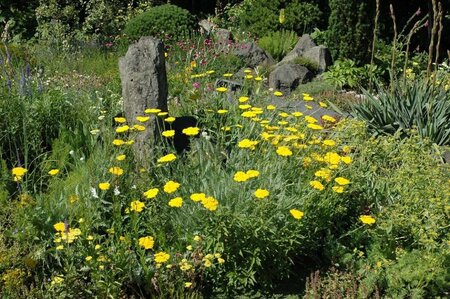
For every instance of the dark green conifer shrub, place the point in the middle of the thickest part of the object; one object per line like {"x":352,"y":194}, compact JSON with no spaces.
{"x":349,"y":30}
{"x":161,"y":20}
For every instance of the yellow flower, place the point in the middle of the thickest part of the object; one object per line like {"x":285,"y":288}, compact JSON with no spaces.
{"x":261,"y":193}
{"x":60,"y":227}
{"x":191,"y":131}
{"x":60,"y":247}
{"x":207,"y":263}
{"x":168,"y":133}
{"x":296,"y":214}
{"x":245,"y":106}
{"x":53,"y":172}
{"x":167,"y":158}
{"x":329,"y":118}
{"x":247,"y":143}
{"x":151,"y":193}
{"x":310,"y":119}
{"x":297,"y":114}
{"x":189,"y":247}
{"x":104,"y":186}
{"x":307,"y":97}
{"x":366,"y":219}
{"x":161,"y":257}
{"x":116,"y":171}
{"x":120,"y":120}
{"x":271,"y":107}
{"x":162,"y":113}
{"x":176,"y":202}
{"x":324,"y":174}
{"x":329,"y":142}
{"x":323,"y":105}
{"x":137,"y":206}
{"x":170,"y":119}
{"x":210,"y":203}
{"x":247,"y":71}
{"x":248,"y":77}
{"x":88,"y":258}
{"x":146,"y":242}
{"x":57,"y":280}
{"x":171,"y":187}
{"x":227,"y":75}
{"x":282,"y":17}
{"x":122,"y":129}
{"x":284,"y":151}
{"x":252,"y":173}
{"x":332,"y":158}
{"x":193,"y":64}
{"x":197,"y":238}
{"x":121,"y":157}
{"x":346,"y":159}
{"x":243,"y":99}
{"x":222,"y":111}
{"x":240,"y":176}
{"x":198,"y":196}
{"x":142,"y":119}
{"x":152,"y":111}
{"x":129,"y":142}
{"x":187,"y":284}
{"x":317,"y":185}
{"x":220,"y":260}
{"x":139,"y":128}
{"x":338,"y":189}
{"x":342,"y":181}
{"x":118,"y":142}
{"x":18,"y":173}
{"x":221,"y":89}
{"x":278,"y":93}
{"x":248,"y":114}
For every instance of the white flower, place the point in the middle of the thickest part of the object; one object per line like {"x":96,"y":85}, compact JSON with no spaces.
{"x":94,"y":192}
{"x":72,"y":152}
{"x":116,"y":191}
{"x":101,"y":117}
{"x":205,"y":135}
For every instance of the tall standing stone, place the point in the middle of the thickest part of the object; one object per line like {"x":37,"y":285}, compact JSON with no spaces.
{"x":144,"y":85}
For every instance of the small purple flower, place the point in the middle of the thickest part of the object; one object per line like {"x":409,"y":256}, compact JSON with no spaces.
{"x":196,"y":85}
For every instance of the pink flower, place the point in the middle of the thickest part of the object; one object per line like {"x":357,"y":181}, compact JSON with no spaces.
{"x":196,"y":85}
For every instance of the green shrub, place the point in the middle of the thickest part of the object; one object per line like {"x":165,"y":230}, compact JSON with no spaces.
{"x":159,"y":21}
{"x":261,"y":17}
{"x":415,"y":104}
{"x":278,"y":43}
{"x":302,"y":17}
{"x":308,"y":63}
{"x":349,"y":30}
{"x":343,"y":73}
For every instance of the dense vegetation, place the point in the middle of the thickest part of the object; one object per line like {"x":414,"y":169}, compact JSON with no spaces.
{"x":268,"y":202}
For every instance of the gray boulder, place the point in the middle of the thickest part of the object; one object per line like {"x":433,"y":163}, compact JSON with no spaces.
{"x":144,"y":85}
{"x":304,"y":44}
{"x":288,"y":76}
{"x":253,"y":55}
{"x":320,"y":55}
{"x":223,"y":36}
{"x":206,"y":26}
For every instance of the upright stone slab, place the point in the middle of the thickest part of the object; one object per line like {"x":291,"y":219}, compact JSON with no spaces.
{"x":144,"y":85}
